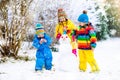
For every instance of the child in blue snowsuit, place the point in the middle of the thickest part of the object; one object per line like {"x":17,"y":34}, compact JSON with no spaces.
{"x":42,"y":42}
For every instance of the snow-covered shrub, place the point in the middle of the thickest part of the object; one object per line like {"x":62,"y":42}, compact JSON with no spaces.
{"x":15,"y":18}
{"x":2,"y":60}
{"x":112,"y":9}
{"x":30,"y":34}
{"x":102,"y":27}
{"x":25,"y":58}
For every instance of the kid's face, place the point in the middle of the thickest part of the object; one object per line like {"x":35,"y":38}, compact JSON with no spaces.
{"x":62,"y":19}
{"x":40,"y":35}
{"x":82,"y":24}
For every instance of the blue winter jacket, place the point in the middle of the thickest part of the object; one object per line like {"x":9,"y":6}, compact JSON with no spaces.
{"x":43,"y":50}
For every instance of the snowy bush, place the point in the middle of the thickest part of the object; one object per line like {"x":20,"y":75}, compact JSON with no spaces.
{"x":15,"y":18}
{"x":102,"y":27}
{"x":30,"y":34}
{"x":112,"y":10}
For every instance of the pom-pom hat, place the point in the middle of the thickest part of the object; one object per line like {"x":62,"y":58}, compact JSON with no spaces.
{"x":83,"y":17}
{"x":61,"y":13}
{"x":39,"y":29}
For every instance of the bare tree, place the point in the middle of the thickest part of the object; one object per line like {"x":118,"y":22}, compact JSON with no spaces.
{"x":15,"y":17}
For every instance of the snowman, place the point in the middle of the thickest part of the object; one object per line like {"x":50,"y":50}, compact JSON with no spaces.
{"x":67,"y":60}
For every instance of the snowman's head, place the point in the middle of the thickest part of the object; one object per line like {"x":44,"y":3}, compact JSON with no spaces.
{"x":64,"y":39}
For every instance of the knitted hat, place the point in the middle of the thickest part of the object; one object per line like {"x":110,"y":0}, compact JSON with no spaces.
{"x":61,"y":13}
{"x":83,"y":17}
{"x":39,"y":29}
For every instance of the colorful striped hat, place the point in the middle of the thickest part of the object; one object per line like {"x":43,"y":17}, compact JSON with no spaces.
{"x":39,"y":29}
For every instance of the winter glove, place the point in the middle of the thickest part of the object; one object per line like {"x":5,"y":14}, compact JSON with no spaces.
{"x":58,"y":36}
{"x":74,"y":52}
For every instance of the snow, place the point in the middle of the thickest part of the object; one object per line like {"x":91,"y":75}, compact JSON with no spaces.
{"x":106,"y":54}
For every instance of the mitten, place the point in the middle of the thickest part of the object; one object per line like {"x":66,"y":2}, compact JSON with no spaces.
{"x":74,"y":52}
{"x":58,"y":36}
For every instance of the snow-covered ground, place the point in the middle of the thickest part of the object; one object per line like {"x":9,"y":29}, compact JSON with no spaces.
{"x":106,"y":54}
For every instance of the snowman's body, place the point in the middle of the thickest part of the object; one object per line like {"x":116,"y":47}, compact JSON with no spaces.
{"x":67,"y":60}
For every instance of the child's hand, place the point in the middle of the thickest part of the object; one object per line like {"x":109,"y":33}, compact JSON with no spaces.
{"x":43,"y":40}
{"x":65,"y":28}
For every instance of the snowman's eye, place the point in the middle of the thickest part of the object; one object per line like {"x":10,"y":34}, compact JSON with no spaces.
{"x":66,"y":37}
{"x":61,"y":36}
